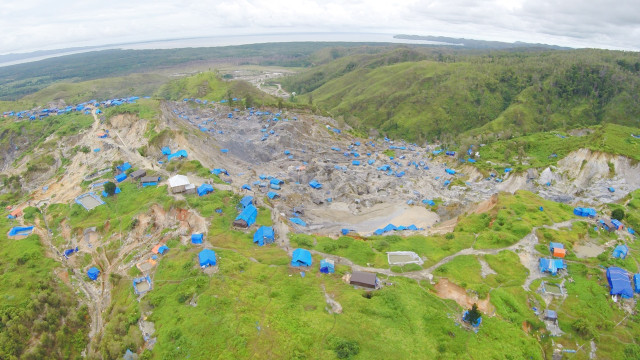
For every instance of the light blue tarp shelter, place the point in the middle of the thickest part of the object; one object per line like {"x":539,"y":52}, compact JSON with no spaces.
{"x":301,"y":257}
{"x":163,"y":249}
{"x":177,"y":154}
{"x":121,"y":177}
{"x":264,"y":235}
{"x":246,"y":201}
{"x":327,"y":266}
{"x":207,"y":257}
{"x":298,"y":221}
{"x":620,"y":251}
{"x":315,"y":184}
{"x":584,"y":212}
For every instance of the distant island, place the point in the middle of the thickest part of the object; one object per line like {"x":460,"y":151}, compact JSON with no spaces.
{"x":478,"y":44}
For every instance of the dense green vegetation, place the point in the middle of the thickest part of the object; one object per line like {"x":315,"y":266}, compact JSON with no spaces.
{"x":22,"y":79}
{"x":419,"y":94}
{"x":39,"y":315}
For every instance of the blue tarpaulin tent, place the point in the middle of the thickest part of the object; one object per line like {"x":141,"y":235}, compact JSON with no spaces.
{"x":204,"y":189}
{"x":298,"y":221}
{"x":177,"y":154}
{"x":429,"y":202}
{"x":20,"y":231}
{"x":246,"y":187}
{"x":93,"y":273}
{"x":355,"y":162}
{"x":619,"y":282}
{"x":196,"y":238}
{"x":162,"y":249}
{"x":70,"y":252}
{"x":636,"y":282}
{"x":273,"y":195}
{"x":121,"y":177}
{"x":247,"y":217}
{"x":450,"y":171}
{"x":620,"y":251}
{"x":264,"y":235}
{"x":551,"y":265}
{"x":301,"y":257}
{"x":124,"y":167}
{"x":207,"y":257}
{"x":166,"y":151}
{"x":327,"y":266}
{"x":345,"y":231}
{"x":246,"y":201}
{"x":584,"y":212}
{"x":314,"y":184}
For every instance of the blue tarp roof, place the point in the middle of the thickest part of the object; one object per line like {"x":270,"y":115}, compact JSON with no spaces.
{"x":246,"y":201}
{"x":450,"y":171}
{"x":327,"y":266}
{"x":315,"y":184}
{"x":551,"y":265}
{"x":69,"y":252}
{"x":207,"y":257}
{"x":619,"y":282}
{"x":93,"y":273}
{"x":585,"y":212}
{"x":298,"y":221}
{"x":124,"y":167}
{"x":301,"y":257}
{"x":620,"y":251}
{"x":196,"y":238}
{"x":162,"y":249}
{"x":20,"y":230}
{"x":249,"y":215}
{"x":263,"y":235}
{"x":177,"y":154}
{"x":166,"y":150}
{"x":355,"y":162}
{"x":272,"y":195}
{"x":246,"y":187}
{"x":276,"y":181}
{"x":636,"y":283}
{"x":554,"y":245}
{"x":120,"y":177}
{"x":204,"y":189}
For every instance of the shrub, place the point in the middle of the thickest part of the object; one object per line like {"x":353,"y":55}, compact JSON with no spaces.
{"x":617,"y":214}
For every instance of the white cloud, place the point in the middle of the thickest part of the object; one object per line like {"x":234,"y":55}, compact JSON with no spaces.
{"x":28,"y":25}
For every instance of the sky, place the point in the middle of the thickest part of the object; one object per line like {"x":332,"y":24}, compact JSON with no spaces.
{"x":29,"y":25}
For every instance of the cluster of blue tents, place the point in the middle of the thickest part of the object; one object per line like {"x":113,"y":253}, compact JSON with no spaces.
{"x":392,"y":227}
{"x":82,"y":107}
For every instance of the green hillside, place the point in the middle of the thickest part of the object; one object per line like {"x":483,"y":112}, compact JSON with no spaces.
{"x":423,"y":94}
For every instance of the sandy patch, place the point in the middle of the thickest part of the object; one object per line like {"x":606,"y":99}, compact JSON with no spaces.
{"x":448,"y":290}
{"x":587,"y":250}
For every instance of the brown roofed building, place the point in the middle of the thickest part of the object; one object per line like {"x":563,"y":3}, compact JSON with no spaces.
{"x":364,"y":279}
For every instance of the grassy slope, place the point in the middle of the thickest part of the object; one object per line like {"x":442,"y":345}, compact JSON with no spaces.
{"x":515,"y":92}
{"x":100,"y":89}
{"x":36,"y":308}
{"x":609,"y":138}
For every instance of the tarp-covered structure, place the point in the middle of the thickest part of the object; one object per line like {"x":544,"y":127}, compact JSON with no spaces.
{"x":315,"y":184}
{"x":246,"y":201}
{"x":619,"y":282}
{"x":93,"y":273}
{"x":247,"y":217}
{"x":264,"y":235}
{"x":551,"y":265}
{"x":620,"y":251}
{"x":584,"y":212}
{"x":273,"y":195}
{"x":301,"y":257}
{"x":207,"y":257}
{"x":197,"y":238}
{"x":327,"y":266}
{"x":141,"y":285}
{"x":636,"y":283}
{"x":120,"y":177}
{"x":298,"y":221}
{"x":204,"y":189}
{"x":21,"y":231}
{"x":177,"y":154}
